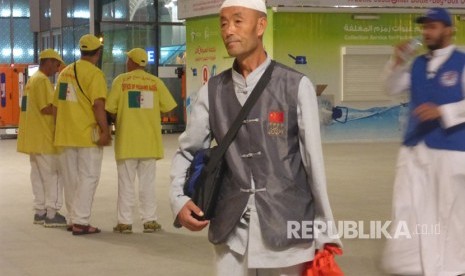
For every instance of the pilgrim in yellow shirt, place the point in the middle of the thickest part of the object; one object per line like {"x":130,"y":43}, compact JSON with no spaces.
{"x":137,"y":98}
{"x":36,"y":130}
{"x":75,"y":115}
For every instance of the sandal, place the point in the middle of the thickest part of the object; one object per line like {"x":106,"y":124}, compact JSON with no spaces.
{"x":80,"y":229}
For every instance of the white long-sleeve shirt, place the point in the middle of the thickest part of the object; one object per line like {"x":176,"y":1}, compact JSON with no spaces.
{"x":197,"y":136}
{"x":398,"y":81}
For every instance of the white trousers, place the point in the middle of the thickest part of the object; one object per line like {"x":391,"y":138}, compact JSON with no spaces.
{"x":429,"y":197}
{"x":46,"y":180}
{"x":145,"y":171}
{"x":81,"y":168}
{"x":229,"y":263}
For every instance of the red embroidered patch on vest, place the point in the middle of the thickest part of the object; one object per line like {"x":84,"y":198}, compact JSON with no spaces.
{"x":276,"y":123}
{"x":276,"y":117}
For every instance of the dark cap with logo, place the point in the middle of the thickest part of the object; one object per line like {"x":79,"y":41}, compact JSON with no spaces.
{"x":436,"y":14}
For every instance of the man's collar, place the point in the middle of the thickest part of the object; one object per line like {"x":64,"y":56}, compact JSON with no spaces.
{"x":443,"y":51}
{"x":260,"y":68}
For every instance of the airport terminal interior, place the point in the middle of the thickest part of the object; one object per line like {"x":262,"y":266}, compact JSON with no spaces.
{"x":342,"y":45}
{"x":360,"y":177}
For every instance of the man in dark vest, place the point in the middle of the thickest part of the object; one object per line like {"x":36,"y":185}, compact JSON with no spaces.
{"x":429,"y":189}
{"x":275,"y":182}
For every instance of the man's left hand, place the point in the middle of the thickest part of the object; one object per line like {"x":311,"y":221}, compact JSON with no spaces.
{"x":427,"y":112}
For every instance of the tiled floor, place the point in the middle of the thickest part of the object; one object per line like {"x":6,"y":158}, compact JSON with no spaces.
{"x":359,"y":176}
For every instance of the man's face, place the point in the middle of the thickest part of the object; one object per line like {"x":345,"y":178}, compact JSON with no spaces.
{"x":52,"y":66}
{"x":241,"y":30}
{"x":129,"y":65}
{"x":436,"y":35}
{"x":55,"y":66}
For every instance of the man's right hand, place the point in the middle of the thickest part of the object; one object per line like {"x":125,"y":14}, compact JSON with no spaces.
{"x":400,"y":50}
{"x":105,"y":138}
{"x":187,"y":220}
{"x":406,"y":50}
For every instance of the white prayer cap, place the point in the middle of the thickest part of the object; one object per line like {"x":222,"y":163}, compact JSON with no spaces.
{"x":258,"y":5}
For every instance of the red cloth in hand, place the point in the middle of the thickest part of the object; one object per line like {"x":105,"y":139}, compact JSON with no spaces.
{"x":324,"y":263}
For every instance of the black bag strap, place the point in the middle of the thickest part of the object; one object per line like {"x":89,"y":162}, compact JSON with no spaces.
{"x":110,"y":120}
{"x":80,"y":88}
{"x":236,"y":125}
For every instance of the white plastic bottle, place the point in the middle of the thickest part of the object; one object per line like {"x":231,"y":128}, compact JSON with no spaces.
{"x":411,"y":49}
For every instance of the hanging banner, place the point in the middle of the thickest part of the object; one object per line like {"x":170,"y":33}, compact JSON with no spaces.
{"x":369,"y":3}
{"x":328,"y":42}
{"x":196,"y":8}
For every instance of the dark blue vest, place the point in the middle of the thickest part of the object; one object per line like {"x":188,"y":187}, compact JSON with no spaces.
{"x":446,"y":87}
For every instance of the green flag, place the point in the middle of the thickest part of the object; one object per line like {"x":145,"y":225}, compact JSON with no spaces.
{"x":24,"y":103}
{"x":62,"y":91}
{"x":140,"y":99}
{"x":134,"y":99}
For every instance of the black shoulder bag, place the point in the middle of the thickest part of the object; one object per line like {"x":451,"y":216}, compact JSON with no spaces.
{"x":205,"y":174}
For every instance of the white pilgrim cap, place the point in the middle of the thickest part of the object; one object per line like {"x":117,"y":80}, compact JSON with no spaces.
{"x":258,"y":5}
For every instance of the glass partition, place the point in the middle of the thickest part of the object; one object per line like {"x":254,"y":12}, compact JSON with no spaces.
{"x":23,"y":44}
{"x":16,"y":45}
{"x":45,"y":14}
{"x":20,"y":8}
{"x":70,"y":39}
{"x":168,"y":10}
{"x":120,"y":38}
{"x":153,"y":26}
{"x":129,"y":10}
{"x":172,"y":44}
{"x":126,"y":24}
{"x":5,"y":42}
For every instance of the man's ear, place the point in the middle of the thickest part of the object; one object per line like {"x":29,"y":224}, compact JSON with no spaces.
{"x":452,"y":31}
{"x":261,"y":26}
